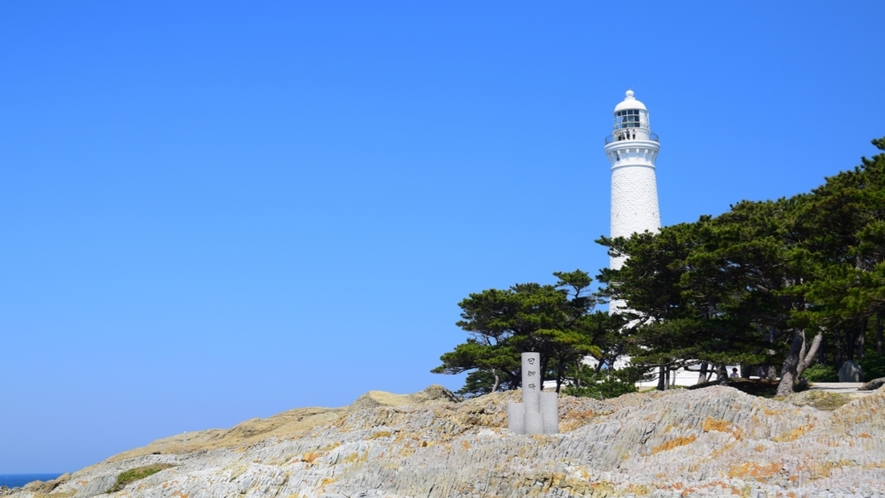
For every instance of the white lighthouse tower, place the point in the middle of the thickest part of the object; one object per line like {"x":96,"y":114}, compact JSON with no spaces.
{"x":632,"y":149}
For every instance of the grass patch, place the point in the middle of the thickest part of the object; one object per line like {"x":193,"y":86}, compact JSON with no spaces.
{"x":819,"y":399}
{"x":132,"y":475}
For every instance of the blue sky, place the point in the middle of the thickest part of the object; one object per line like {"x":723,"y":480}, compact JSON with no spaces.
{"x":213,"y":211}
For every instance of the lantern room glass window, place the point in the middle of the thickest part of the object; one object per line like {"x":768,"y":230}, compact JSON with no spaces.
{"x":628,"y":118}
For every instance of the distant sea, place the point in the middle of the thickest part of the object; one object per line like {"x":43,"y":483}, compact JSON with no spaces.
{"x":19,"y":480}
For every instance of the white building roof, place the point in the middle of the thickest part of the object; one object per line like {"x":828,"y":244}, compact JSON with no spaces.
{"x":630,"y":103}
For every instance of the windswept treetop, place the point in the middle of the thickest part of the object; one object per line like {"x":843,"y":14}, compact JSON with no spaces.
{"x":555,"y":320}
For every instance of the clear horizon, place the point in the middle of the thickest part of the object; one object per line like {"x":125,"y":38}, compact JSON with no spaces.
{"x":217,"y":211}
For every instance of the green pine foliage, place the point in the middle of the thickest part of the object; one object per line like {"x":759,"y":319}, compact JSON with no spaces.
{"x":555,"y":320}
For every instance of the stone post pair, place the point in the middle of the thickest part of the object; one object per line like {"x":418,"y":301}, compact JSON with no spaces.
{"x":539,"y":411}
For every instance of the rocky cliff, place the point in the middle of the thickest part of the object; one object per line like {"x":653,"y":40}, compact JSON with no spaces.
{"x":710,"y":442}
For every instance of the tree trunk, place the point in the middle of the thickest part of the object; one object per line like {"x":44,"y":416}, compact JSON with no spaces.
{"x":515,"y":377}
{"x":788,"y":372}
{"x":497,"y":380}
{"x":702,"y":376}
{"x":840,"y":348}
{"x":662,"y":379}
{"x":808,"y":356}
{"x":862,"y":338}
{"x":560,"y":373}
{"x":798,"y":359}
{"x":879,"y":345}
{"x":771,"y":373}
{"x":721,"y":374}
{"x":576,"y":380}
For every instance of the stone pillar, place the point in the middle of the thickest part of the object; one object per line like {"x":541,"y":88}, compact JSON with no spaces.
{"x":534,"y":424}
{"x":539,"y":412}
{"x":531,"y":382}
{"x":516,"y":417}
{"x":550,"y":412}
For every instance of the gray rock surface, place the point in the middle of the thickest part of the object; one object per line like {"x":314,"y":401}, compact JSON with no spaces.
{"x":872,"y":385}
{"x":708,"y":442}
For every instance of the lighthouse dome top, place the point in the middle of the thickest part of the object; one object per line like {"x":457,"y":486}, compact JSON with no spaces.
{"x":630,"y":103}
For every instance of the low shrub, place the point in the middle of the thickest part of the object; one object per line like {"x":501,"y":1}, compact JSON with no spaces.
{"x":607,"y":384}
{"x":873,"y":367}
{"x":821,"y":373}
{"x":132,"y":475}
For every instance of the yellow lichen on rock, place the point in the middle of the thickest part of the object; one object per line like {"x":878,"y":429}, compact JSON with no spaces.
{"x":673,"y":443}
{"x":793,"y":434}
{"x":715,"y":425}
{"x":758,"y":471}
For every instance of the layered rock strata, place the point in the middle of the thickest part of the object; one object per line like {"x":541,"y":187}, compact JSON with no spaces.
{"x":710,"y":442}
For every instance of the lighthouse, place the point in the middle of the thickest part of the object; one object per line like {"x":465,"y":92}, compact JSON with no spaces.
{"x":632,"y":149}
